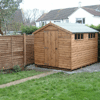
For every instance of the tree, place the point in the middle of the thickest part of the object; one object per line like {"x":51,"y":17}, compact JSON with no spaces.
{"x":32,"y":15}
{"x":27,"y":15}
{"x":7,"y":8}
{"x":35,"y":14}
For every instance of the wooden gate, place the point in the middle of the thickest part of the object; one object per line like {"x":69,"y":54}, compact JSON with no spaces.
{"x":51,"y":48}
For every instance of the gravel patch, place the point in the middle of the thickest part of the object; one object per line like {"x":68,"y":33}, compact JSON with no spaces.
{"x":92,"y":68}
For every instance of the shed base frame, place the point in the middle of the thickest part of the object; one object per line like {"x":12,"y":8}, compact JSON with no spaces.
{"x":65,"y":69}
{"x":52,"y":67}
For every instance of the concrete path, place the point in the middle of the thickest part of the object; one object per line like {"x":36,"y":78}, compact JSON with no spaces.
{"x":26,"y":79}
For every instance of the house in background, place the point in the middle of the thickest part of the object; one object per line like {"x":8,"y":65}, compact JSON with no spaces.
{"x":84,"y":15}
{"x":28,"y":23}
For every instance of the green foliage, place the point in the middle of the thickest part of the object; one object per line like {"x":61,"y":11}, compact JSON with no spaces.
{"x":28,"y":29}
{"x":94,"y":27}
{"x":7,"y":10}
{"x":16,"y":68}
{"x":1,"y":71}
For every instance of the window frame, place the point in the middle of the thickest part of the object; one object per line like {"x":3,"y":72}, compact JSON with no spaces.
{"x":79,"y":36}
{"x":57,"y":21}
{"x":80,"y":20}
{"x":91,"y":35}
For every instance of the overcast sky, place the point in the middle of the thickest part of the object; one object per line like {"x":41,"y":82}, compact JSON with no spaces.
{"x":48,"y":5}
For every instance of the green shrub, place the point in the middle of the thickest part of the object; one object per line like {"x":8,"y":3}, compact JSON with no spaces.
{"x":94,"y":27}
{"x":16,"y":68}
{"x":28,"y":29}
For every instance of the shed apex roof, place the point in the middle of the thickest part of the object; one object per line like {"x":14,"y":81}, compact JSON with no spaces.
{"x":76,"y":28}
{"x":70,"y":28}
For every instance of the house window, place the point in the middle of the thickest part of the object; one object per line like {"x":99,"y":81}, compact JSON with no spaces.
{"x":67,"y":21}
{"x":56,"y":21}
{"x":42,"y":23}
{"x":78,"y":36}
{"x":91,"y":35}
{"x":80,"y":20}
{"x":83,"y":20}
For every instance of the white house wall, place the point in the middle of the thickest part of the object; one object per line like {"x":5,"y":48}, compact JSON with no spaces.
{"x":96,"y":20}
{"x":81,"y":13}
{"x":39,"y":24}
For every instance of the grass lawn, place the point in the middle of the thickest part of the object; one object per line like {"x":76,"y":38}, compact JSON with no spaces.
{"x":5,"y":78}
{"x":59,"y":86}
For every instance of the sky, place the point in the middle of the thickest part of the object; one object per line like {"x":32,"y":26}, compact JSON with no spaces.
{"x":47,"y":5}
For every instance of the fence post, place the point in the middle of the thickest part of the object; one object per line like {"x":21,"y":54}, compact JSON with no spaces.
{"x":24,"y":49}
{"x":11,"y":51}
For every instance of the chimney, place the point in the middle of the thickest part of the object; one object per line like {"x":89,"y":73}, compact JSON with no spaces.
{"x":79,"y":4}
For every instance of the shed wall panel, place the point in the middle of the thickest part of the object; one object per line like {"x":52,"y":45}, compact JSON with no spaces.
{"x":52,"y":47}
{"x":84,"y":51}
{"x":39,"y":53}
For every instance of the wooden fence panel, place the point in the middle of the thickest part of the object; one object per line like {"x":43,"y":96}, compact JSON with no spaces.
{"x":29,"y":49}
{"x":16,"y":50}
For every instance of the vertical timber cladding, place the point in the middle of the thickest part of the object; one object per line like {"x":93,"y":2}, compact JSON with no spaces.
{"x":39,"y":48}
{"x":64,"y":41}
{"x":57,"y":49}
{"x":51,"y":48}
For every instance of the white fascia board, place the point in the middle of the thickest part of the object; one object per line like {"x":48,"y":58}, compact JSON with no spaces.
{"x":97,"y":16}
{"x":53,"y":20}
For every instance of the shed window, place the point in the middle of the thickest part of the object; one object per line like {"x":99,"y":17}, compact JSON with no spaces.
{"x":75,"y":36}
{"x":81,"y":36}
{"x":78,"y":36}
{"x":91,"y":35}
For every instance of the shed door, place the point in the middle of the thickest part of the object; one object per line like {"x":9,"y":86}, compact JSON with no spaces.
{"x":51,"y":48}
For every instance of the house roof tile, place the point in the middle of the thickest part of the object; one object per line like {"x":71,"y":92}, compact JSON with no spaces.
{"x":64,"y":13}
{"x":92,"y":11}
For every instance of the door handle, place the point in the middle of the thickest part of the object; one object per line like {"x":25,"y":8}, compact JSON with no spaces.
{"x":56,"y":48}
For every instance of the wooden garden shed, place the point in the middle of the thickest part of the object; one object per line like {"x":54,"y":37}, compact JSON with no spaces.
{"x":65,"y":45}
